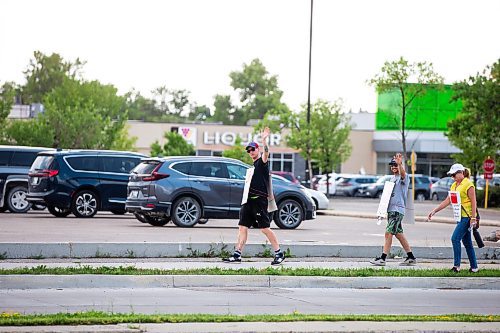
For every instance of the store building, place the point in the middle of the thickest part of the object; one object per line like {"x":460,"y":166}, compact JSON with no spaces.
{"x":375,"y":137}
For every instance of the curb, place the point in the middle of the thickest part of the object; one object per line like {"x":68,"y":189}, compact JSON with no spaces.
{"x":329,"y":212}
{"x":159,"y":250}
{"x":29,"y":282}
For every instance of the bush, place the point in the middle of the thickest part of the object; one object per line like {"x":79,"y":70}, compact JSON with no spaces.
{"x":493,"y":197}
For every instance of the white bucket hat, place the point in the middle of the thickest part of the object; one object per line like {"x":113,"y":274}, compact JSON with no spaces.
{"x":456,"y":167}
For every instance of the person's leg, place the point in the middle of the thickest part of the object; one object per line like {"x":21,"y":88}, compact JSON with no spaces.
{"x":271,"y":236}
{"x":469,"y":248}
{"x":387,"y":243}
{"x":242,"y":238}
{"x":456,"y":237}
{"x":404,"y":242}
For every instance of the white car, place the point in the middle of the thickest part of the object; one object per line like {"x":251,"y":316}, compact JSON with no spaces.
{"x":319,"y":199}
{"x":332,"y":188}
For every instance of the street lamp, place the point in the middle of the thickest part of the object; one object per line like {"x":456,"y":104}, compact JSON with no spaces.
{"x":308,"y":178}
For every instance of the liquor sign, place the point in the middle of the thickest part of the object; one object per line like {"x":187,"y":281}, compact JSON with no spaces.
{"x":189,"y":134}
{"x":456,"y":204}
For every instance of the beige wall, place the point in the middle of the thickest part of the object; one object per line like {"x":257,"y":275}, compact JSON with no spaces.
{"x":362,"y":155}
{"x":203,"y":136}
{"x":216,"y":137}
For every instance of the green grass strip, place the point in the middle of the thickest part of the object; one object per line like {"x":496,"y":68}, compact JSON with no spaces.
{"x":281,"y":271}
{"x":104,"y":318}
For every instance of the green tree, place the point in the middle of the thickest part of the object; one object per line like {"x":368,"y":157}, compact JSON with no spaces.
{"x":399,"y":75}
{"x":223,"y":109}
{"x":175,"y":145}
{"x":238,"y":152}
{"x":258,"y":91}
{"x":325,"y":140}
{"x":475,"y":130}
{"x":45,"y":73}
{"x":300,"y":136}
{"x":78,"y":114}
{"x":200,"y":113}
{"x":140,"y":107}
{"x":7,"y":96}
{"x":330,"y":138}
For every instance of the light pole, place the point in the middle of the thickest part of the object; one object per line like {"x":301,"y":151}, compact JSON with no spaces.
{"x":308,"y":162}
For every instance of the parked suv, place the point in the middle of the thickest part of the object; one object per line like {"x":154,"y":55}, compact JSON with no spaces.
{"x":15,"y":162}
{"x":81,"y":182}
{"x":189,"y":189}
{"x":350,"y":185}
{"x":422,"y":187}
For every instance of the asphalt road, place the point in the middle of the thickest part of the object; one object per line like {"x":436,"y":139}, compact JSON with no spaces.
{"x":106,"y":227}
{"x":422,"y":208}
{"x":247,"y":300}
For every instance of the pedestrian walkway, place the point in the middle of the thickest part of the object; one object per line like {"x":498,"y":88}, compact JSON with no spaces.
{"x":263,"y":327}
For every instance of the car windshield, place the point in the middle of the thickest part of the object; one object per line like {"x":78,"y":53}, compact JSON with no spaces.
{"x":42,"y":162}
{"x":145,"y":167}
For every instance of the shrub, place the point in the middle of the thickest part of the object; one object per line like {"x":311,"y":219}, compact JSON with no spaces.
{"x":493,"y":197}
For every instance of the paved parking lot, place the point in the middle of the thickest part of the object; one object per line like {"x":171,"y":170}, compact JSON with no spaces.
{"x":106,"y":227}
{"x":370,"y":205}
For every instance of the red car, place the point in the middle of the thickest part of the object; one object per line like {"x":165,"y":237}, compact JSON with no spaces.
{"x":287,"y":175}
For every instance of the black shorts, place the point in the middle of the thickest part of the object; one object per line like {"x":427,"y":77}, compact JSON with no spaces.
{"x":254,"y":214}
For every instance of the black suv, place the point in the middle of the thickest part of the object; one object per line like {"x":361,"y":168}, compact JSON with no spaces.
{"x":81,"y":181}
{"x":189,"y":190}
{"x":15,"y":162}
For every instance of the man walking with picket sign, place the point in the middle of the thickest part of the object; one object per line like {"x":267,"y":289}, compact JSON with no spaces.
{"x":395,"y":213}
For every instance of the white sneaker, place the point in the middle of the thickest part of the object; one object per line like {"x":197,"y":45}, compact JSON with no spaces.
{"x":378,"y":262}
{"x":408,"y":262}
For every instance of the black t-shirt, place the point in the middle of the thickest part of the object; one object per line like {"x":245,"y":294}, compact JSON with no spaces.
{"x":260,"y":179}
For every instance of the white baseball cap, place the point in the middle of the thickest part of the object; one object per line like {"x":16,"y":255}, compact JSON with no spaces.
{"x":456,"y":167}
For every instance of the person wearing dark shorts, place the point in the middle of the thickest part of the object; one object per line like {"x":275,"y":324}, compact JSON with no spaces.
{"x":395,"y":214}
{"x":254,"y":211}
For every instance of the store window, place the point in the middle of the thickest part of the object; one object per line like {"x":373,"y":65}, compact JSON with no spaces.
{"x":281,"y":162}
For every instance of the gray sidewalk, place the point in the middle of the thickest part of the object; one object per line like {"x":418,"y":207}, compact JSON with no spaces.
{"x":275,"y":327}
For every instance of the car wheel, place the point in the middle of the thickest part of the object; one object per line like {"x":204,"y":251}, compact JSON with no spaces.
{"x":118,"y":211}
{"x":16,"y":200}
{"x":186,"y":212}
{"x":435,"y":197}
{"x":58,"y":211}
{"x":289,"y":215}
{"x":156,"y":221}
{"x":140,"y":217}
{"x":420,"y":196}
{"x":85,"y":204}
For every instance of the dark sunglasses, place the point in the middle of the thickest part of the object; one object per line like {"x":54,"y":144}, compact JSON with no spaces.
{"x":250,"y":149}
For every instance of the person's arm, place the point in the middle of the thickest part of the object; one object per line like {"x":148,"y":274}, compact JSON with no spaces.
{"x":471,"y":193}
{"x":399,"y":161}
{"x":441,"y":206}
{"x":265,"y":153}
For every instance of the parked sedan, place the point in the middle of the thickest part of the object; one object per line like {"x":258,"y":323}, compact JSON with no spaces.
{"x":187,"y":189}
{"x":439,"y":190}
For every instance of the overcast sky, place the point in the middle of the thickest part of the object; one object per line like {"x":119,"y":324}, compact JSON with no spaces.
{"x":195,"y":44}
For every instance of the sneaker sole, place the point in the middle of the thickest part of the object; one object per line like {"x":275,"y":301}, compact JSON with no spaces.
{"x":377,"y":264}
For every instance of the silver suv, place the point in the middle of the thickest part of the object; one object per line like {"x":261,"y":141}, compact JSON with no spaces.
{"x":189,"y":190}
